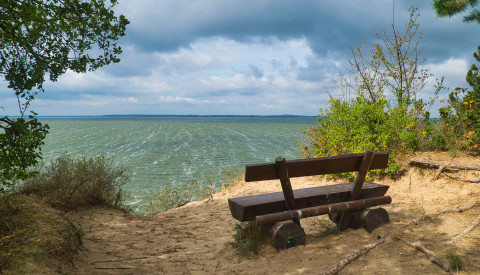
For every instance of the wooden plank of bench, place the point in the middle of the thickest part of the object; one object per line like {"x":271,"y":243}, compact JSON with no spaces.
{"x":315,"y":166}
{"x":246,"y":208}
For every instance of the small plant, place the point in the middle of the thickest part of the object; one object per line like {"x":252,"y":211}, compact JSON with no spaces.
{"x":168,"y":198}
{"x":455,"y":262}
{"x":75,"y":233}
{"x":248,"y":239}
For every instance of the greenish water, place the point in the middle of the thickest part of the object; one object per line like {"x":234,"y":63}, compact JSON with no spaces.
{"x":174,"y":151}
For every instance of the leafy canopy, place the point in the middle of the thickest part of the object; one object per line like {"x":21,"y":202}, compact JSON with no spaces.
{"x":42,"y":39}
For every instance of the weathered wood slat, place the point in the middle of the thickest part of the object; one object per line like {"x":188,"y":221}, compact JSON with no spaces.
{"x":246,"y":208}
{"x":285,"y":182}
{"x":361,"y":175}
{"x":321,"y":210}
{"x":315,"y":166}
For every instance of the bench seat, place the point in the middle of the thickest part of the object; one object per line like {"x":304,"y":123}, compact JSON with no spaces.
{"x":246,"y":208}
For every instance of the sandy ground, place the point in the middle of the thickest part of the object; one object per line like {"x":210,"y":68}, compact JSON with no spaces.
{"x":197,"y":238}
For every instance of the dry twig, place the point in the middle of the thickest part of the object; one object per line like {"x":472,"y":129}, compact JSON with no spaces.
{"x":467,"y":230}
{"x":430,"y":255}
{"x":334,"y":269}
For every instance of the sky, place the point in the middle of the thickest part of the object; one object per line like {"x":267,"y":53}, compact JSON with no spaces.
{"x":248,"y":57}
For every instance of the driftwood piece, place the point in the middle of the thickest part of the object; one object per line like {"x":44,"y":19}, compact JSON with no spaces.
{"x":468,"y":229}
{"x":334,"y":269}
{"x":442,"y":165}
{"x":430,"y":255}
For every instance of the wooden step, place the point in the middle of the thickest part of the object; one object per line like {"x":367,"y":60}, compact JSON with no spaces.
{"x":246,"y":208}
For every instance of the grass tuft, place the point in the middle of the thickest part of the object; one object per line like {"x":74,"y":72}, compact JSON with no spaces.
{"x":455,"y":262}
{"x":247,"y":239}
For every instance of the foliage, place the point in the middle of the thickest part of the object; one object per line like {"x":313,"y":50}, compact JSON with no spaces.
{"x":378,"y":108}
{"x":20,"y":144}
{"x":70,"y":183}
{"x":247,"y":239}
{"x":460,"y":120}
{"x":462,"y":114}
{"x":449,"y":8}
{"x":40,"y":38}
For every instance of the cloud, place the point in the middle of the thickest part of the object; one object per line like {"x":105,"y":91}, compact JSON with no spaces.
{"x":243,"y":57}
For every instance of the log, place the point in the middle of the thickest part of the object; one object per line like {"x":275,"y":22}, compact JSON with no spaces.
{"x":369,"y":219}
{"x":287,"y":235}
{"x":442,"y":165}
{"x":321,"y":210}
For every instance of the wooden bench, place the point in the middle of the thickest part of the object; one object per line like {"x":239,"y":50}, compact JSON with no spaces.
{"x":345,"y":203}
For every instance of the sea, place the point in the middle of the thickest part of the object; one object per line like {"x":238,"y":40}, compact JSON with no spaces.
{"x":176,"y":151}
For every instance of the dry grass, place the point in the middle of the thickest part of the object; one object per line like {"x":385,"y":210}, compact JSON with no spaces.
{"x":33,"y":233}
{"x":70,"y":183}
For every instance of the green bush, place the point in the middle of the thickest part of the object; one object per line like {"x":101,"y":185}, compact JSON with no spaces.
{"x":359,"y":124}
{"x":70,"y":183}
{"x":460,"y":121}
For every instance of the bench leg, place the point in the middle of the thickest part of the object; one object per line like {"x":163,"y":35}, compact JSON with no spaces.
{"x":285,"y":234}
{"x":369,"y":219}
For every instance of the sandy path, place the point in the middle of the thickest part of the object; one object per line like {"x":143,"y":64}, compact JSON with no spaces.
{"x":197,"y":237}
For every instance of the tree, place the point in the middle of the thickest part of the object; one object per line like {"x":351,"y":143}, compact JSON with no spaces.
{"x":378,"y":108}
{"x":45,"y":38}
{"x":468,"y":107}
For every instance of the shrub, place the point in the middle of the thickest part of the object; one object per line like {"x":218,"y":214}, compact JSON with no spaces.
{"x":460,"y":121}
{"x":70,"y":183}
{"x":359,"y":124}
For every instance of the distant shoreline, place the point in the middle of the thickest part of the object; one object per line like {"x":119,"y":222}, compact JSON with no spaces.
{"x":181,"y":116}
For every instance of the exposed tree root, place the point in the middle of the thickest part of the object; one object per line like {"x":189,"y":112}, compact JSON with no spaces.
{"x":468,"y":229}
{"x":430,"y":255}
{"x":334,"y":269}
{"x":462,"y":179}
{"x":442,"y":165}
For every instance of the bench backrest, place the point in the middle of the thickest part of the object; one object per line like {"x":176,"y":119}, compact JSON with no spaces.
{"x":315,"y":166}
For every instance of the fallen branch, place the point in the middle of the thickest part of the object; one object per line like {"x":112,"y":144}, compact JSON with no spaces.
{"x":334,"y":269}
{"x":430,"y":255}
{"x":467,"y":230}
